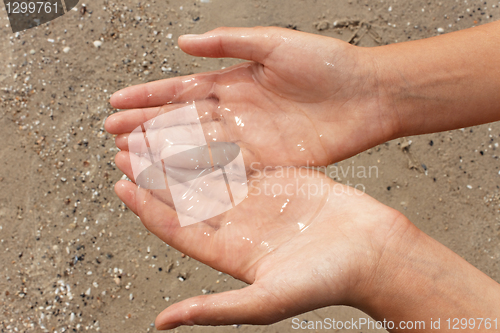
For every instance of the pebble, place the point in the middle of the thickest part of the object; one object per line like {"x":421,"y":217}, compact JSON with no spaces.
{"x":440,"y":30}
{"x":32,"y":51}
{"x":322,"y":25}
{"x":66,"y":49}
{"x":97,"y":43}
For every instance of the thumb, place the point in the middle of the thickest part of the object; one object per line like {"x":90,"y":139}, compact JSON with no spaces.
{"x":250,"y":305}
{"x":255,"y":44}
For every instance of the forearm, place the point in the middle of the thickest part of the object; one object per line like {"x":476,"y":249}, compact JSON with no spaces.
{"x":442,"y":83}
{"x":420,"y":280}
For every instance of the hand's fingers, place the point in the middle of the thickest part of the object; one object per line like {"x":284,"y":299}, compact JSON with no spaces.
{"x":255,"y":44}
{"x":127,"y":121}
{"x":162,"y":220}
{"x":157,"y":93}
{"x":126,"y":192}
{"x":176,"y":138}
{"x":131,"y":165}
{"x":250,"y":305}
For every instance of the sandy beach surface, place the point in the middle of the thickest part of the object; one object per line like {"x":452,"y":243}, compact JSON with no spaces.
{"x":74,"y":259}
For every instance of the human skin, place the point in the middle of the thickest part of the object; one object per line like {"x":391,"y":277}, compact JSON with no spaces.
{"x":357,"y":252}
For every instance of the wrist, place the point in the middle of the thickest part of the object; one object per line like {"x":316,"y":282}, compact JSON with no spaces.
{"x":417,"y":278}
{"x":440,"y":83}
{"x":384,"y":84}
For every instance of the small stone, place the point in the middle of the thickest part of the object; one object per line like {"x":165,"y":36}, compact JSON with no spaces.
{"x":440,"y":30}
{"x":131,"y":297}
{"x":66,"y":49}
{"x":322,"y":25}
{"x":117,"y":281}
{"x":97,"y":43}
{"x":32,"y":51}
{"x":88,"y":292}
{"x":405,"y":143}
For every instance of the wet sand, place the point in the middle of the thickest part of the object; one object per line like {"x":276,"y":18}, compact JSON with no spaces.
{"x":74,"y":258}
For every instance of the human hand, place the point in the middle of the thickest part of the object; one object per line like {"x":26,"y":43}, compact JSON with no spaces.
{"x":305,"y":100}
{"x":301,"y":242}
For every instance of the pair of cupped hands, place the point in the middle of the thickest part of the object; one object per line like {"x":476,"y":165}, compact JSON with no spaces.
{"x":304,"y":100}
